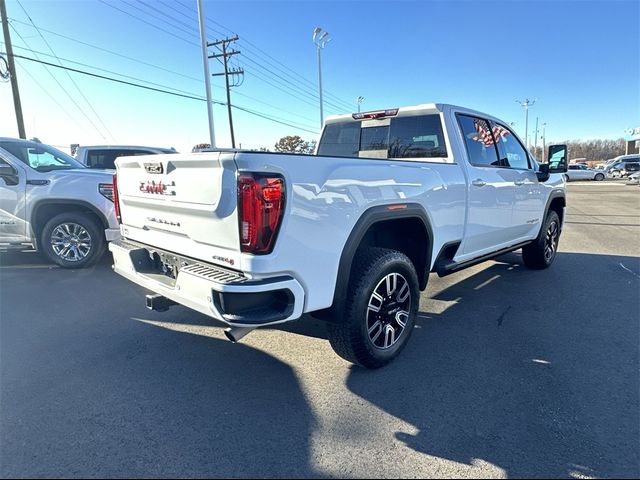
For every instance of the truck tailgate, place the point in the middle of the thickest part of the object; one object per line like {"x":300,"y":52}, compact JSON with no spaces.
{"x":185,"y":202}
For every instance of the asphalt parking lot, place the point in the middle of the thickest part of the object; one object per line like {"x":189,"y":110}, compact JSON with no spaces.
{"x":509,"y":373}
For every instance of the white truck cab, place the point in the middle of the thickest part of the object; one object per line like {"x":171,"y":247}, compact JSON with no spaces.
{"x":52,"y":202}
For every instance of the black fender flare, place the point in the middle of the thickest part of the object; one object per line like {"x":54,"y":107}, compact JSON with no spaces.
{"x":552,"y":196}
{"x":370,"y":217}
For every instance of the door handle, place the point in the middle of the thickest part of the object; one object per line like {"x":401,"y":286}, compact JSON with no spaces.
{"x":519,"y":182}
{"x":478,"y":183}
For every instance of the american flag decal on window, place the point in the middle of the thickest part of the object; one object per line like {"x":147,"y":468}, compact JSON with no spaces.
{"x":485,"y":135}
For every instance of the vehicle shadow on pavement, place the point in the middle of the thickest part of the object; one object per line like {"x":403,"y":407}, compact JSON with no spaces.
{"x":87,"y":392}
{"x":525,"y":370}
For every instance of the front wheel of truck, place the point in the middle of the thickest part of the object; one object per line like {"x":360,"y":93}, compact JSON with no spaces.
{"x":380,"y":310}
{"x":540,"y":253}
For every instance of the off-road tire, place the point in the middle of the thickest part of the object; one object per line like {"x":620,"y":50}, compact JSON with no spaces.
{"x":540,"y":253}
{"x":350,"y":336}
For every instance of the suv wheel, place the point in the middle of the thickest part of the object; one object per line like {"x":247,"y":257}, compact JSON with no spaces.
{"x":599,"y":177}
{"x":540,"y":253}
{"x":72,"y":240}
{"x":380,"y":310}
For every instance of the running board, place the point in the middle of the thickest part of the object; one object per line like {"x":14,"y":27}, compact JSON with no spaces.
{"x":444,"y":268}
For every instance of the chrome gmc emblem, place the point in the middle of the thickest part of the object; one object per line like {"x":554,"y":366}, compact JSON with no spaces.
{"x":157,"y":188}
{"x":153,"y":167}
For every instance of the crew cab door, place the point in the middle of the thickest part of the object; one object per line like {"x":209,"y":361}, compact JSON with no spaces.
{"x":491,"y":191}
{"x":528,"y":206}
{"x":12,"y":201}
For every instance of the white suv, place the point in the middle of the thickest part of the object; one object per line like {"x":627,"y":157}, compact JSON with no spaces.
{"x":54,"y":203}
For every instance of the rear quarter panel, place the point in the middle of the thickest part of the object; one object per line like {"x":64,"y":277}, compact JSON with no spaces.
{"x":325,"y":198}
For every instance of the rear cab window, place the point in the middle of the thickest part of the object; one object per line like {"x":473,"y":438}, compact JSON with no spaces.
{"x":105,"y":158}
{"x":406,"y":136}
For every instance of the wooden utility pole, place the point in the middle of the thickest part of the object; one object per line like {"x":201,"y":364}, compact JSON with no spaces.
{"x":222,"y":45}
{"x":12,"y":70}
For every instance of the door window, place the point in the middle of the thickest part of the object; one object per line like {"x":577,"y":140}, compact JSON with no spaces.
{"x":479,"y":141}
{"x":512,"y":153}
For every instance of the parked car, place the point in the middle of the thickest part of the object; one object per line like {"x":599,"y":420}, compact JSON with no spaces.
{"x":582,"y":172}
{"x":256,"y":239}
{"x":624,"y":169}
{"x":54,"y":203}
{"x":103,"y":156}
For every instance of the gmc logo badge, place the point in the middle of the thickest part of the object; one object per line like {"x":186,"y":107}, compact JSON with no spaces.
{"x":153,"y":167}
{"x":157,"y":188}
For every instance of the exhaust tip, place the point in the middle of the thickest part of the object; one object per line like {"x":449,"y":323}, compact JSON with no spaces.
{"x":235,"y":334}
{"x":229,"y":335}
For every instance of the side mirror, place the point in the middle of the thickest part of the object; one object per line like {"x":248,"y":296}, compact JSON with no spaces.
{"x":543,"y":172}
{"x":7,"y":170}
{"x":8,"y":174}
{"x":557,"y":158}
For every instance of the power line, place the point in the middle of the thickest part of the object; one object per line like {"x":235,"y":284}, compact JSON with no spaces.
{"x":307,"y":90}
{"x":200,"y":81}
{"x":73,"y":100}
{"x":264,"y":53}
{"x":67,"y":73}
{"x":35,"y":80}
{"x":148,"y":23}
{"x":145,"y":87}
{"x":105,"y":70}
{"x":161,"y":18}
{"x":283,"y":81}
{"x":106,"y":50}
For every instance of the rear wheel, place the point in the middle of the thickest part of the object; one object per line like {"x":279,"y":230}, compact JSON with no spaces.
{"x":540,"y":253}
{"x":72,"y":240}
{"x":380,"y":311}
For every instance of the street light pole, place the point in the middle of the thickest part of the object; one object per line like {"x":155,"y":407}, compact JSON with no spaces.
{"x":535,"y":139}
{"x":320,"y":39}
{"x":544,"y":139}
{"x":207,"y":81}
{"x":359,"y":100}
{"x":526,"y":104}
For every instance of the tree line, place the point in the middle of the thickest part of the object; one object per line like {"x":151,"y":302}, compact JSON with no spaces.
{"x":592,"y":150}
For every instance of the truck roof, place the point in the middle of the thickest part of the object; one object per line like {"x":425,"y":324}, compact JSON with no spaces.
{"x":424,"y":107}
{"x":109,"y":147}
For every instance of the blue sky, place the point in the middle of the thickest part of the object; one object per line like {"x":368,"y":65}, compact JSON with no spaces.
{"x":578,"y":58}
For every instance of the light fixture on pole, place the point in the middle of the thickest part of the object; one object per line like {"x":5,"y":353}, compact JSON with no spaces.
{"x":359,"y":100}
{"x":526,"y":104}
{"x":320,"y":39}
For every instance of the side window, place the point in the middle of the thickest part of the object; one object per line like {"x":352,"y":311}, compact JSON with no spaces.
{"x":512,"y":153}
{"x":137,"y":152}
{"x":479,"y":140}
{"x":416,"y":136}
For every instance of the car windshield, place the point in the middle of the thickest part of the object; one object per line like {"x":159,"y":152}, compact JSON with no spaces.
{"x":40,"y":157}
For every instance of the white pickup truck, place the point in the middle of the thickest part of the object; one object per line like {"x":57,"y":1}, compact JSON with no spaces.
{"x":350,"y":235}
{"x":54,"y":204}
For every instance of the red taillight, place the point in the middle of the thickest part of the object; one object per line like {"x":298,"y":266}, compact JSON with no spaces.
{"x":116,"y":199}
{"x":260,"y":208}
